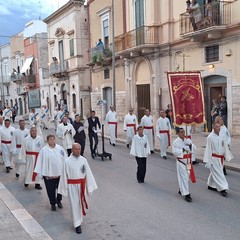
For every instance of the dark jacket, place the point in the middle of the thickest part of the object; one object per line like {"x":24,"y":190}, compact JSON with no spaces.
{"x":92,"y":125}
{"x":79,"y":136}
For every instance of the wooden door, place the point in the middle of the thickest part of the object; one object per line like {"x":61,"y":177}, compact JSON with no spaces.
{"x":143,"y":99}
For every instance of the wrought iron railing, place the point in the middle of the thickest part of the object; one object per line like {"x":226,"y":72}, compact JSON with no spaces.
{"x":216,"y":13}
{"x":145,"y":35}
{"x":58,"y":67}
{"x":100,"y":53}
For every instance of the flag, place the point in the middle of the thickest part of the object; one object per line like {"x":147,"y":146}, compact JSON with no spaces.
{"x":186,"y":97}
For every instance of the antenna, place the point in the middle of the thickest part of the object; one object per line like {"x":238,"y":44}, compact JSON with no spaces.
{"x":39,"y":18}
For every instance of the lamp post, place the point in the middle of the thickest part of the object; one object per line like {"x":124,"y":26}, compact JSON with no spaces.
{"x":113,"y":58}
{"x":2,"y":88}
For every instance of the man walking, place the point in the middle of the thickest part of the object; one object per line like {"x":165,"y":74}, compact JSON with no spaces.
{"x":29,"y":155}
{"x":183,"y":148}
{"x":130,"y":126}
{"x":7,"y":113}
{"x":18,"y":138}
{"x":111,"y":119}
{"x":215,"y":153}
{"x":147,"y":124}
{"x":163,"y":132}
{"x":55,"y":119}
{"x":93,"y":126}
{"x":76,"y":181}
{"x":45,"y":117}
{"x":140,"y":149}
{"x":50,"y":165}
{"x":6,"y":137}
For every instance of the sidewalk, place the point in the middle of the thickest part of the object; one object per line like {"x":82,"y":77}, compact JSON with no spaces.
{"x":198,"y":138}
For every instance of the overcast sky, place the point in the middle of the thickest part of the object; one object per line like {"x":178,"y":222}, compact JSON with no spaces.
{"x":15,"y":13}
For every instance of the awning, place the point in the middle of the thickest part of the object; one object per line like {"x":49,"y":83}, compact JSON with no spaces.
{"x":26,"y":64}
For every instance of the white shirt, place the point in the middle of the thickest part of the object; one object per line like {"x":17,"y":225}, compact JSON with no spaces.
{"x":140,"y":146}
{"x":130,"y":119}
{"x":111,"y":116}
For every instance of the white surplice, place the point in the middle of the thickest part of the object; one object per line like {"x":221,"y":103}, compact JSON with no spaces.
{"x":65,"y":136}
{"x":18,"y":139}
{"x":50,"y":161}
{"x":216,"y":144}
{"x":7,"y":113}
{"x":147,"y":124}
{"x":182,"y":172}
{"x":76,"y":168}
{"x":34,"y":121}
{"x":31,"y":145}
{"x":163,"y":124}
{"x":6,"y":136}
{"x":140,"y":146}
{"x":111,"y":118}
{"x":129,"y":120}
{"x":224,"y":131}
{"x":55,"y":119}
{"x":45,"y":117}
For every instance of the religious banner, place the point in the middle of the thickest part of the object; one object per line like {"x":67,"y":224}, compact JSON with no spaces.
{"x":34,"y":100}
{"x":186,"y":97}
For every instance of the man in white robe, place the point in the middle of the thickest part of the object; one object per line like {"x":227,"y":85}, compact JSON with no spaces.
{"x":34,"y":121}
{"x":18,"y":138}
{"x":77,"y":180}
{"x":140,"y":149}
{"x":55,"y":118}
{"x":183,"y":149}
{"x":50,"y":165}
{"x":45,"y":117}
{"x":215,"y":153}
{"x":6,"y":136}
{"x":61,"y":114}
{"x":111,"y":119}
{"x":28,"y":154}
{"x":147,"y":124}
{"x":130,"y":126}
{"x":163,"y":132}
{"x":7,"y":113}
{"x":66,"y":132}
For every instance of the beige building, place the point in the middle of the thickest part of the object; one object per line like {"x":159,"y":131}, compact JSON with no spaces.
{"x":68,"y":53}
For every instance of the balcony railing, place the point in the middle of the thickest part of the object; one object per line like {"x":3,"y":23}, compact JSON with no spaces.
{"x":56,"y":68}
{"x":16,"y":76}
{"x":216,"y":13}
{"x":101,"y":55}
{"x":146,"y":35}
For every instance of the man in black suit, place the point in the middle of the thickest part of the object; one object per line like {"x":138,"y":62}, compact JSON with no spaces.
{"x":69,"y":118}
{"x":93,"y":123}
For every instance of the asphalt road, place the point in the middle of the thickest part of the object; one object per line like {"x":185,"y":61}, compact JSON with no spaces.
{"x":124,"y":209}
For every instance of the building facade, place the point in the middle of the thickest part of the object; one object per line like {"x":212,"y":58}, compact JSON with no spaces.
{"x":68,"y":55}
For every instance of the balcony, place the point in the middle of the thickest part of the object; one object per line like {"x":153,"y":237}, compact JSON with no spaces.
{"x":138,"y":41}
{"x":100,"y":56}
{"x":16,"y":77}
{"x":21,"y":90}
{"x":59,"y":69}
{"x":214,"y":19}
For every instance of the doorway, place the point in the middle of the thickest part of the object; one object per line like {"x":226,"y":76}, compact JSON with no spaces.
{"x":143,"y":99}
{"x":107,"y":95}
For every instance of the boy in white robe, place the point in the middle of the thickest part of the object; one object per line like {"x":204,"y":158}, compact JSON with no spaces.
{"x":29,"y":155}
{"x":18,"y":138}
{"x":66,"y":132}
{"x":215,"y":153}
{"x":6,"y":136}
{"x":163,"y":132}
{"x":183,"y":149}
{"x":77,"y":180}
{"x":49,"y":165}
{"x":140,"y":149}
{"x":130,"y":126}
{"x":147,"y":123}
{"x":111,"y":119}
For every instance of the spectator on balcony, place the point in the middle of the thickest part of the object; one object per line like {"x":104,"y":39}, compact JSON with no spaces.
{"x":194,"y":14}
{"x":100,"y":44}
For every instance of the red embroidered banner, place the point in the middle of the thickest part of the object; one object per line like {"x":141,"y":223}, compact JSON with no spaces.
{"x":186,"y":97}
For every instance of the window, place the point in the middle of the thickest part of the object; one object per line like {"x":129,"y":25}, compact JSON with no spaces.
{"x":7,"y":87}
{"x":212,"y":53}
{"x":105,"y":29}
{"x":71,"y":47}
{"x":106,"y":73}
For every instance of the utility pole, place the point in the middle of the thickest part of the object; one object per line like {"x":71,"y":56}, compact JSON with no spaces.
{"x":113,"y":58}
{"x":2,"y":88}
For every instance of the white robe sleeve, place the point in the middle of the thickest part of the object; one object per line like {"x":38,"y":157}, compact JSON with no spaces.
{"x":22,"y":153}
{"x":39,"y":165}
{"x":125,"y":124}
{"x":13,"y":144}
{"x":207,"y":158}
{"x":60,"y":132}
{"x":157,"y":129}
{"x":136,"y":121}
{"x":177,"y":150}
{"x":133,"y":147}
{"x":228,"y":154}
{"x":91,"y":184}
{"x":73,"y":130}
{"x":63,"y":186}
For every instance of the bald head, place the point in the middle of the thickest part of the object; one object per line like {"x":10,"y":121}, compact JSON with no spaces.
{"x":76,"y":149}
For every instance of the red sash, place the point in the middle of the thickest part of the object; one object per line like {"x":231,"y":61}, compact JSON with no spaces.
{"x":81,"y":181}
{"x":6,"y":142}
{"x":189,"y":136}
{"x":148,"y":128}
{"x":36,"y":156}
{"x":115,"y":127}
{"x":132,"y":125}
{"x":168,"y":134}
{"x":219,"y":156}
{"x":192,"y":173}
{"x":18,"y":145}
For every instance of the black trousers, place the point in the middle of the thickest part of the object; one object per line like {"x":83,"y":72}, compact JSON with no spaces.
{"x":69,"y":151}
{"x":93,"y":136}
{"x":51,"y":187}
{"x":141,"y":168}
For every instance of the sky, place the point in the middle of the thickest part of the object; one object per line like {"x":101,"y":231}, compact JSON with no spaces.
{"x":15,"y":13}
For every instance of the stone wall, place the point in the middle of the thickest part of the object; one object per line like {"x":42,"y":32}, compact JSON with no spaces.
{"x":236,"y":110}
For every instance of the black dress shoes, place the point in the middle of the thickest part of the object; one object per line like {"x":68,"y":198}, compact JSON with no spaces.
{"x":53,"y":208}
{"x":25,"y":185}
{"x":10,"y":168}
{"x":212,"y":189}
{"x":60,"y":205}
{"x":164,"y":157}
{"x":224,"y":193}
{"x":179,"y":192}
{"x":188,"y":198}
{"x":127,"y":145}
{"x":195,"y":162}
{"x":17,"y":175}
{"x":79,"y":229}
{"x":114,"y":144}
{"x":224,"y":171}
{"x":38,"y":186}
{"x":152,"y":152}
{"x":7,"y":169}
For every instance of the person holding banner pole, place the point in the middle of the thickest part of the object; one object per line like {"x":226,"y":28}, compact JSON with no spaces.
{"x":163,"y":132}
{"x":45,"y":116}
{"x":130,"y":126}
{"x":55,"y":118}
{"x":111,"y":119}
{"x":183,"y":148}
